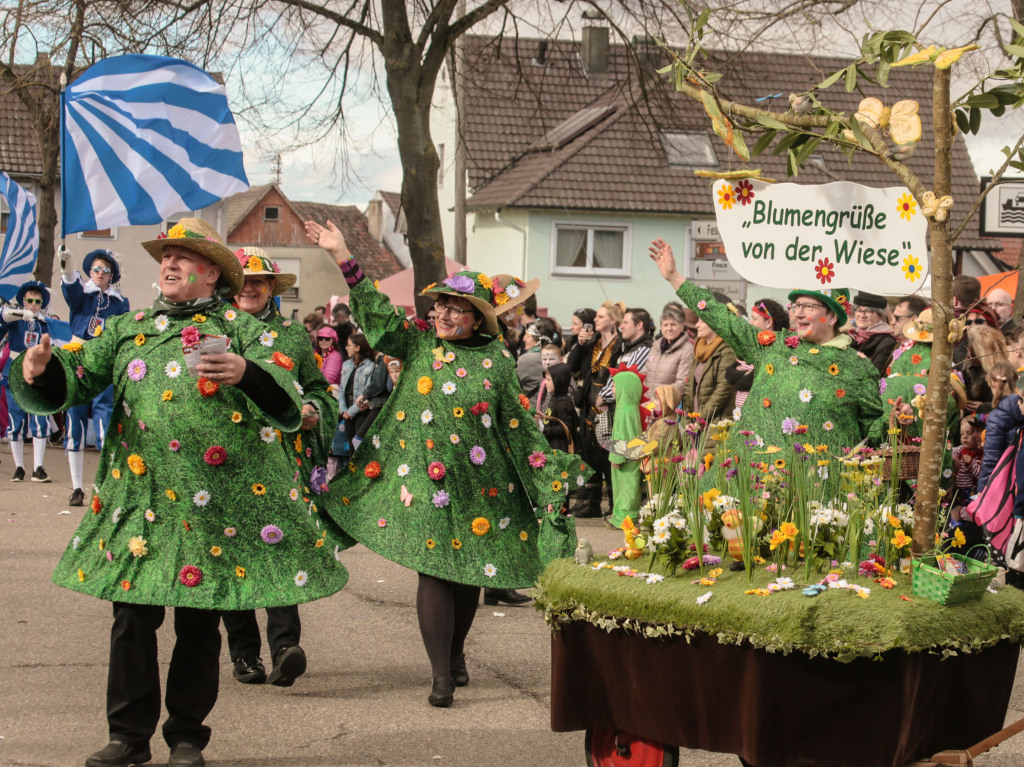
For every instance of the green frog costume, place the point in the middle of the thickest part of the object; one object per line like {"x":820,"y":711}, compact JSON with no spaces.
{"x":195,"y":502}
{"x":453,"y":474}
{"x":829,"y":388}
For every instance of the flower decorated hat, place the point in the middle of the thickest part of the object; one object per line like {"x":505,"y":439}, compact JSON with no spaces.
{"x":106,"y":255}
{"x":920,"y":329}
{"x":38,"y":287}
{"x":199,"y":236}
{"x":255,"y":262}
{"x":510,"y":293}
{"x":475,"y":287}
{"x":836,"y":299}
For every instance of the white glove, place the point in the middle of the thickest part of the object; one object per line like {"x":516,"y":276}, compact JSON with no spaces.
{"x":66,"y":267}
{"x":13,"y":315}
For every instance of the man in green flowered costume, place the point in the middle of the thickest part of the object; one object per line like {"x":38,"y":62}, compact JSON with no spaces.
{"x":196,"y":506}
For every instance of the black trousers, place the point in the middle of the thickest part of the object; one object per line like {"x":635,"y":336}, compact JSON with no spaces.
{"x":283,"y":630}
{"x":133,"y":679}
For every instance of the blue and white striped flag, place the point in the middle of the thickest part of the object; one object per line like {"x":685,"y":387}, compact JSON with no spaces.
{"x":143,"y":138}
{"x":21,"y":240}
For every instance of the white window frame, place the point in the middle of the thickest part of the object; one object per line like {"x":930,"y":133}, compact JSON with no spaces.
{"x":590,"y":270}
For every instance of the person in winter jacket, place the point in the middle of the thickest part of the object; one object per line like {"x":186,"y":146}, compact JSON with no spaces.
{"x":558,"y":378}
{"x":327,"y":348}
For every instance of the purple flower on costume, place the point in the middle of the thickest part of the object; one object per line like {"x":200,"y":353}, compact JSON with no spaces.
{"x":883,"y":384}
{"x":271,"y":534}
{"x":136,"y":370}
{"x":477,"y":455}
{"x":460,"y":283}
{"x":441,"y":499}
{"x":789,"y":425}
{"x":80,"y":371}
{"x":920,"y":389}
{"x":318,"y":479}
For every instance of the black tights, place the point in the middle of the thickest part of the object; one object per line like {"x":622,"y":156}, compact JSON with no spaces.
{"x":445,"y":611}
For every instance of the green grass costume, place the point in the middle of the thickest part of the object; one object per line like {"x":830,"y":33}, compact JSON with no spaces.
{"x":196,"y":503}
{"x":447,"y":480}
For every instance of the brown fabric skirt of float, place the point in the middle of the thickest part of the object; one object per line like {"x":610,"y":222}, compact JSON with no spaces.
{"x":778,"y":710}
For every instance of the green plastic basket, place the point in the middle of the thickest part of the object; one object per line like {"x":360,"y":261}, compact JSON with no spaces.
{"x":932,"y":583}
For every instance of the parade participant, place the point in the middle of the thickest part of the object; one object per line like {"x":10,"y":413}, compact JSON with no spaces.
{"x":766,"y":315}
{"x":808,"y":378}
{"x":628,"y":425}
{"x":308,"y":447}
{"x":91,"y":299}
{"x":872,"y":335}
{"x":24,"y":328}
{"x":196,"y":507}
{"x":448,"y":481}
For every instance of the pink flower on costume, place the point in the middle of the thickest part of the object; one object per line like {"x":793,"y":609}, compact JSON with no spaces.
{"x":792,"y":342}
{"x":538,"y":459}
{"x":477,"y":455}
{"x":215,"y":455}
{"x":80,"y":371}
{"x":136,"y":370}
{"x":139,"y":315}
{"x":436,"y":470}
{"x":190,"y":576}
{"x":190,"y":335}
{"x":382,"y":522}
{"x":174,"y":445}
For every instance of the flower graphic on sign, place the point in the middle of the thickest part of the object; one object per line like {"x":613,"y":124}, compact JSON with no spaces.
{"x":824,"y":270}
{"x":911,"y":267}
{"x":906,"y":206}
{"x":726,"y":198}
{"x":744,"y":192}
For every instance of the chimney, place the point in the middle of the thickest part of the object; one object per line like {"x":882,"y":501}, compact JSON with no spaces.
{"x":375,"y":219}
{"x":648,"y":52}
{"x":595,"y":49}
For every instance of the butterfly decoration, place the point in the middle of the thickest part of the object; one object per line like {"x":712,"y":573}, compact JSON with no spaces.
{"x":936,"y":207}
{"x":813,"y":590}
{"x":942,"y":58}
{"x":730,"y":175}
{"x":406,"y":496}
{"x":901,"y":120}
{"x":632,"y":449}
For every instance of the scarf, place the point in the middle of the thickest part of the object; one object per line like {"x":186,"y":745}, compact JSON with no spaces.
{"x":184,"y":308}
{"x":267,"y":312}
{"x":704,"y":349}
{"x":861,"y":336}
{"x":600,"y":358}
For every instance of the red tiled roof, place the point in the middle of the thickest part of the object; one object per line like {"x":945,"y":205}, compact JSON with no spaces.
{"x":376,"y":261}
{"x":1010,"y":254}
{"x":618,"y":163}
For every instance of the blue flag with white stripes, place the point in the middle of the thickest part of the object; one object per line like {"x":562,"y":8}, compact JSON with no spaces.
{"x":142,"y":138}
{"x":21,"y":238}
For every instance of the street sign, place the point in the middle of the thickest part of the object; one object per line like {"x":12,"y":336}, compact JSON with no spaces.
{"x":1002,"y":210}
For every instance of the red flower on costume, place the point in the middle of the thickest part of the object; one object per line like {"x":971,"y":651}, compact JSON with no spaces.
{"x":480,"y":408}
{"x":840,"y":393}
{"x":95,"y":505}
{"x":523,"y":400}
{"x":190,"y":335}
{"x":282,"y":360}
{"x":190,"y":576}
{"x":372,"y":470}
{"x":207,"y":387}
{"x":766,"y":338}
{"x":916,"y":359}
{"x":215,"y":455}
{"x":436,"y":470}
{"x":825,"y":270}
{"x":744,"y":192}
{"x":766,"y":402}
{"x":792,"y":341}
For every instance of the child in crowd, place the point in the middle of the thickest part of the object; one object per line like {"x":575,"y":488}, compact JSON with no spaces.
{"x":550,"y":354}
{"x":1002,"y":380}
{"x":560,"y":406}
{"x":967,"y":457}
{"x":628,"y":424}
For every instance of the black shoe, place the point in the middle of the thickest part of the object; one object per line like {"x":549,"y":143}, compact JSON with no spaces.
{"x":186,"y":755}
{"x":442,"y":692}
{"x":77,"y":498}
{"x":19,"y":474}
{"x":250,"y":670}
{"x":508,"y":596}
{"x":289,"y":665}
{"x":39,"y":475}
{"x":736,"y":566}
{"x":460,"y":676}
{"x":119,"y":754}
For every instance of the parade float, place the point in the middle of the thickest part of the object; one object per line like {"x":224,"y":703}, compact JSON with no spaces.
{"x":792,"y":601}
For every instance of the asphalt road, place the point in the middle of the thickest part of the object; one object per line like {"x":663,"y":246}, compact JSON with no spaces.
{"x":361,"y":703}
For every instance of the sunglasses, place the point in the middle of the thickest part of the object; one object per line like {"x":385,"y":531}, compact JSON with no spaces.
{"x":978,"y":321}
{"x":33,"y":301}
{"x":101,"y":269}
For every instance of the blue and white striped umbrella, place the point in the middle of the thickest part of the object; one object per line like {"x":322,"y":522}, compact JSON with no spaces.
{"x":21,"y":240}
{"x":143,"y":138}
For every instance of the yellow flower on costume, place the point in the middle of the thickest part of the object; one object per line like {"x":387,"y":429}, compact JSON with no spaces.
{"x":298,"y":443}
{"x":556,"y":486}
{"x":199,"y":318}
{"x":514,"y":423}
{"x":74,"y":346}
{"x":137,"y":465}
{"x":480,"y":526}
{"x":236,"y":417}
{"x":171,"y":496}
{"x":906,"y":206}
{"x":167,"y":395}
{"x":176,"y":231}
{"x":458,"y":412}
{"x":137,"y":546}
{"x":115,"y":473}
{"x":239,"y":571}
{"x":424,"y":385}
{"x":501,"y":298}
{"x":430,"y":543}
{"x":485,"y":281}
{"x":140,"y":339}
{"x":215,"y":551}
{"x":400,"y":415}
{"x":259,"y":489}
{"x":81,"y":575}
{"x":456,"y":544}
{"x":769,"y":369}
{"x":255,"y":263}
{"x":524,"y":535}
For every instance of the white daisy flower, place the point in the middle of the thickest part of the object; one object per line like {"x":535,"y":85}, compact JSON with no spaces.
{"x":504,"y":522}
{"x":703,"y":598}
{"x":806,"y":395}
{"x":266,"y":339}
{"x":161,"y":322}
{"x":448,"y":387}
{"x":127,"y":410}
{"x":615,"y":554}
{"x":490,"y":570}
{"x":201,"y":498}
{"x":655,"y":578}
{"x":267,"y":434}
{"x":301,"y":578}
{"x":287,"y":323}
{"x":449,"y":356}
{"x":511,"y":487}
{"x":230,"y":315}
{"x":506,"y":352}
{"x":793,"y":360}
{"x":785,"y":583}
{"x":75,"y":541}
{"x":298,"y":388}
{"x":172,"y":369}
{"x":293,"y":494}
{"x":149,"y":515}
{"x":426,"y":416}
{"x":403,"y":470}
{"x":661,"y":537}
{"x":512,"y":290}
{"x":828,"y":426}
{"x":579,"y":481}
{"x":116,"y":515}
{"x":487,"y":364}
{"x":661,"y":525}
{"x":376,"y":440}
{"x":485,"y":419}
{"x":454,"y":439}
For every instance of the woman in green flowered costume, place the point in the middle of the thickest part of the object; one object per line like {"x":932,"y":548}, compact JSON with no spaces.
{"x":809,"y":383}
{"x":450,"y":474}
{"x":307,"y":447}
{"x":196,"y":505}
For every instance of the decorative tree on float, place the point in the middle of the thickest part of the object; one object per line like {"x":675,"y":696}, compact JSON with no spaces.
{"x":809,"y":122}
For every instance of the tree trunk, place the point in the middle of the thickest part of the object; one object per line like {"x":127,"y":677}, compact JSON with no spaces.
{"x":47,"y":125}
{"x":934,"y":435}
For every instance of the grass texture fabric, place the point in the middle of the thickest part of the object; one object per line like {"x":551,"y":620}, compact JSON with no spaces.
{"x":836,"y":623}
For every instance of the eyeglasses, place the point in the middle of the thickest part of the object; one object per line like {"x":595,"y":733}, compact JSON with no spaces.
{"x":805,"y":307}
{"x":33,"y":301}
{"x":864,"y":310}
{"x":903,"y":316}
{"x":453,"y":311}
{"x":978,"y":321}
{"x":101,"y":269}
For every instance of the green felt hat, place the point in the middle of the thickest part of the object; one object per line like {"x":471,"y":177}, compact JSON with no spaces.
{"x":836,"y":299}
{"x":475,"y":287}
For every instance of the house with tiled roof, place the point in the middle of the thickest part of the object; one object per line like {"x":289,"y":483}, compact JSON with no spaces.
{"x":264,"y":217}
{"x":578,"y":154}
{"x":388,"y":224}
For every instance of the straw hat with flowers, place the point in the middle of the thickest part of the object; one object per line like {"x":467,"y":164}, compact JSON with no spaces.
{"x":255,"y":262}
{"x":200,"y":237}
{"x":475,"y":287}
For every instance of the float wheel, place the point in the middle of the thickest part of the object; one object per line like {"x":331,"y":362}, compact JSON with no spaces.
{"x":615,"y":748}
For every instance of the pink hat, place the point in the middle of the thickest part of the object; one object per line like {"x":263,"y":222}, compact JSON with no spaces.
{"x":327,"y":332}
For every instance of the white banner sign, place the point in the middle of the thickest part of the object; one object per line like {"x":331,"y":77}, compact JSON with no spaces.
{"x":838,"y":235}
